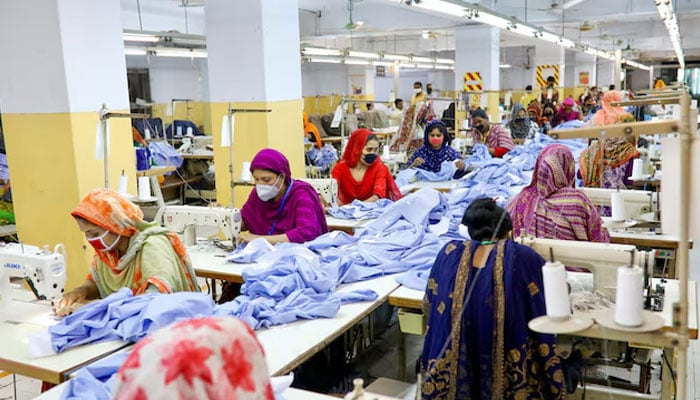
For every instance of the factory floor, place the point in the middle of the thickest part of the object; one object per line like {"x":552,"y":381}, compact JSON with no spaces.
{"x":381,"y":360}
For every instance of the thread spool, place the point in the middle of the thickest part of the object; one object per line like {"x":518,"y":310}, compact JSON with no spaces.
{"x":385,"y":150}
{"x":147,"y":134}
{"x":617,"y":200}
{"x":556,"y":292}
{"x":190,"y":131}
{"x":629,"y":299}
{"x":246,"y":175}
{"x":144,"y":185}
{"x":637,"y":167}
{"x":178,"y":130}
{"x":123,"y":183}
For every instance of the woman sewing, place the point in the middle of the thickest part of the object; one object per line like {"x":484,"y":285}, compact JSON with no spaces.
{"x":480,"y":296}
{"x":129,"y":252}
{"x":280,"y":209}
{"x":361,"y":175}
{"x":436,"y":150}
{"x":551,"y":207}
{"x":608,"y":162}
{"x":495,"y":137}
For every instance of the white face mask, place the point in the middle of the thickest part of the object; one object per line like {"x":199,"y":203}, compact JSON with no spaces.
{"x":267,"y":192}
{"x":98,"y":243}
{"x":417,"y":90}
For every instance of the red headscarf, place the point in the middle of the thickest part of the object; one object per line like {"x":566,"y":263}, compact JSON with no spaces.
{"x":376,"y":181}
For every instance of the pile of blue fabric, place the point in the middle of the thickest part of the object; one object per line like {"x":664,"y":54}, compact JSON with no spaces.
{"x":409,"y":175}
{"x":358,"y":210}
{"x":165,"y":155}
{"x":525,"y":156}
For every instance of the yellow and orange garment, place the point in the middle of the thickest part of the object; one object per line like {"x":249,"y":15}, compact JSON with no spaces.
{"x":156,"y":259}
{"x":311,"y":128}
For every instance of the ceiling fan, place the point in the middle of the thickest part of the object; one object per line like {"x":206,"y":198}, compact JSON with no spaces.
{"x":558,"y":6}
{"x":352,"y":25}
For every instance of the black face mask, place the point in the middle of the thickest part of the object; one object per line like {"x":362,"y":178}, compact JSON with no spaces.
{"x":370,"y":158}
{"x":480,"y":128}
{"x":429,"y":90}
{"x":548,"y":114}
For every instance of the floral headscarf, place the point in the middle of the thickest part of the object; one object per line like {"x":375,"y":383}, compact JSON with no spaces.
{"x":205,"y":358}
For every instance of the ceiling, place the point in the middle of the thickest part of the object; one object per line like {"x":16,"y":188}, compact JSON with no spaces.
{"x":391,"y":25}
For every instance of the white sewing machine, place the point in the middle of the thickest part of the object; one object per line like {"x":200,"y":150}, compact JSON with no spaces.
{"x":327,"y":189}
{"x":44,"y":270}
{"x":184,"y":220}
{"x":637,"y":202}
{"x":602,"y":259}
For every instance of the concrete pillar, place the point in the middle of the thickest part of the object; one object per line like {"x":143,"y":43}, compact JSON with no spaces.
{"x":478,"y":50}
{"x":548,"y":54}
{"x":61,"y":61}
{"x":254,"y":62}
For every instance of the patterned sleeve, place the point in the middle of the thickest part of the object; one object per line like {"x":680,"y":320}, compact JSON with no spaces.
{"x":595,"y":230}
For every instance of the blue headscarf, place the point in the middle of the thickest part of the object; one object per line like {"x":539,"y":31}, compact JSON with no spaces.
{"x":433,"y":158}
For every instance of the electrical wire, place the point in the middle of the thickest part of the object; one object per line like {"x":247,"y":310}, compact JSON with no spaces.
{"x":673,"y":374}
{"x":196,"y":191}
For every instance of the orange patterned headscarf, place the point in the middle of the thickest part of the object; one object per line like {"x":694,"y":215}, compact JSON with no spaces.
{"x":111,"y":211}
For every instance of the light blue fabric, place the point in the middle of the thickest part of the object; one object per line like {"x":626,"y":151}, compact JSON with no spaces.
{"x":164,"y":154}
{"x":96,"y":380}
{"x":361,"y":209}
{"x":574,"y":123}
{"x":407,"y":176}
{"x":480,"y":154}
{"x":4,"y":171}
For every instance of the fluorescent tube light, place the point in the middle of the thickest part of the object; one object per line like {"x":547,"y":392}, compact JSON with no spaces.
{"x":356,"y":62}
{"x":444,"y":61}
{"x":447,"y":67}
{"x":327,"y":60}
{"x":395,"y":57}
{"x":139,"y":37}
{"x":134,"y":51}
{"x":185,"y":53}
{"x":421,"y":59}
{"x":443,"y":7}
{"x":407,"y":65}
{"x":425,"y":66}
{"x":504,"y":66}
{"x":317,"y":51}
{"x":637,"y":65}
{"x":362,"y":54}
{"x":384,"y":63}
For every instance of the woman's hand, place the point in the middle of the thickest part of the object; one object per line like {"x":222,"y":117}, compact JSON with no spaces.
{"x":417,"y":162}
{"x":75,"y":299}
{"x":459,"y":164}
{"x":246,"y":237}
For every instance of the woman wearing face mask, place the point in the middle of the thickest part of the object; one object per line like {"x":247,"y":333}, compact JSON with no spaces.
{"x":436,"y":150}
{"x":129,"y":252}
{"x":521,"y":127}
{"x":566,"y":113}
{"x":495,"y":137}
{"x":280,"y":209}
{"x":361,"y":175}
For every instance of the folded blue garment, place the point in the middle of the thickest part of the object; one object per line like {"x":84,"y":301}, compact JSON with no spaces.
{"x":446,"y":173}
{"x":361,"y":209}
{"x":165,"y":155}
{"x":96,"y":380}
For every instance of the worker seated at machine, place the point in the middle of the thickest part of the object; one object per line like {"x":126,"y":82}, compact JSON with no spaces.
{"x":479,"y":299}
{"x":361,"y":175}
{"x":129,"y":252}
{"x":280,"y":209}
{"x":550,"y":206}
{"x":436,"y":149}
{"x":495,"y":137}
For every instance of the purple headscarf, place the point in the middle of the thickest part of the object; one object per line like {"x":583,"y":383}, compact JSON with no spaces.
{"x":302,"y":218}
{"x":550,"y":207}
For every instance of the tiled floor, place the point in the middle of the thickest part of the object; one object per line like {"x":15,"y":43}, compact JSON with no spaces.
{"x":383,"y":359}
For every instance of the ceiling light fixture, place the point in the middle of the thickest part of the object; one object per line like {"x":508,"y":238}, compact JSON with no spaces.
{"x":184,"y":53}
{"x":135,"y":51}
{"x":356,"y":62}
{"x":326,"y":60}
{"x":668,"y":16}
{"x":363,"y":54}
{"x":318,"y":51}
{"x":636,"y":65}
{"x":139,"y":37}
{"x":395,"y":57}
{"x":421,"y":59}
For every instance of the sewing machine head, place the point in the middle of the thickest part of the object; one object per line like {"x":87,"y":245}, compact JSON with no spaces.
{"x":602,"y":259}
{"x":637,"y":202}
{"x":44,"y":270}
{"x":327,"y":189}
{"x":183,"y":219}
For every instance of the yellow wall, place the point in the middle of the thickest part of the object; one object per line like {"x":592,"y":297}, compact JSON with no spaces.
{"x":195,"y":111}
{"x":321,"y":104}
{"x":52,"y":167}
{"x":280,"y":129}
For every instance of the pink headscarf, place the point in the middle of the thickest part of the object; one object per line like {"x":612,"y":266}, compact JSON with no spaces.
{"x":204,"y":358}
{"x":608,"y":114}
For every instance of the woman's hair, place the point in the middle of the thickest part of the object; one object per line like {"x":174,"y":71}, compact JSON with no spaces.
{"x":484,"y":217}
{"x":436,"y":123}
{"x":371,"y":137}
{"x":480,"y":113}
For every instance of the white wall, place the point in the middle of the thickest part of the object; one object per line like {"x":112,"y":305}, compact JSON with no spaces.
{"x":323,"y":79}
{"x":384,"y":85}
{"x":606,"y":70}
{"x":171,"y":77}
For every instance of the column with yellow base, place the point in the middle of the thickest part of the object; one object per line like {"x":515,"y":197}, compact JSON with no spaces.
{"x":477,"y":50}
{"x":254,"y":63}
{"x":60,"y":69}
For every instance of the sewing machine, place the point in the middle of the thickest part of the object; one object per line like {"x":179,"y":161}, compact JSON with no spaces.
{"x":44,"y":270}
{"x":602,"y":259}
{"x":637,"y":202}
{"x":327,"y":189}
{"x":184,"y":220}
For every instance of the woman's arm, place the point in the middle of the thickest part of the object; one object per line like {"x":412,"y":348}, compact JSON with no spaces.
{"x":246,"y":237}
